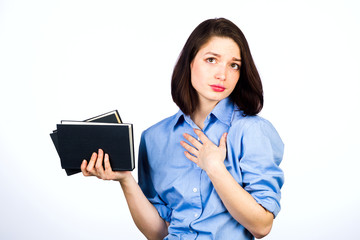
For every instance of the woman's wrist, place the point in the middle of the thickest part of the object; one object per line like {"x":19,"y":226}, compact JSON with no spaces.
{"x":215,"y":169}
{"x":125,"y":181}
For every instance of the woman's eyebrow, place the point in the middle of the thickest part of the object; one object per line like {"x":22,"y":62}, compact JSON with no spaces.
{"x":218,"y":55}
{"x":237,"y":59}
{"x":212,"y":53}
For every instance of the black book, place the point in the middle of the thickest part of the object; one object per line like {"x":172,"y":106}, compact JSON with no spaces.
{"x":76,"y":141}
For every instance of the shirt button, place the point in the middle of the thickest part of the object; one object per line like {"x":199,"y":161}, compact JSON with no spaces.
{"x":195,"y":189}
{"x":196,"y":215}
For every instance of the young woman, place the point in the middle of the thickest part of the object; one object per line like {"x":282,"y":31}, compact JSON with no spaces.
{"x":211,"y":171}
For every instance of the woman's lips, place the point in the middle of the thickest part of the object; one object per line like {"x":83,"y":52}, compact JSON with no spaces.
{"x":217,"y":88}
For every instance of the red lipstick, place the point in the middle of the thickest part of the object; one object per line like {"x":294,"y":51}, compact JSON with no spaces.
{"x":217,"y":88}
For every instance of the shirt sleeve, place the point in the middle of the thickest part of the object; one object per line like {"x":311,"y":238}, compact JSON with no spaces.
{"x":146,"y":183}
{"x":261,"y":156}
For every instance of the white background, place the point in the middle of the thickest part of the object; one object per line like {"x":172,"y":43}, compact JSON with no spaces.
{"x":76,"y":59}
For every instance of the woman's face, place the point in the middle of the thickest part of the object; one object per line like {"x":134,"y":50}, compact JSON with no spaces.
{"x":215,"y":69}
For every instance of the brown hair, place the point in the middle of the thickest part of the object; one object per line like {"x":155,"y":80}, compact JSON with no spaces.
{"x":248,"y":92}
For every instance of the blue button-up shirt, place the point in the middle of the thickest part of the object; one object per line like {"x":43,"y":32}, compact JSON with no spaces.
{"x":183,"y":193}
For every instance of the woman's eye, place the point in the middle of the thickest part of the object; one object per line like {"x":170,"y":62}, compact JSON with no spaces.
{"x":235,"y":66}
{"x":211,"y":60}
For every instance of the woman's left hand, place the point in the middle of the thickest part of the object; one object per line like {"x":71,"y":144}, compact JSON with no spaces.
{"x":205,"y":153}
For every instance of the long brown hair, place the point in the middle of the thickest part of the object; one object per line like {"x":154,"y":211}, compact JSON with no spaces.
{"x":248,"y":92}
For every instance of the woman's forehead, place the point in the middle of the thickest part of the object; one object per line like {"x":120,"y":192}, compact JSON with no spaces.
{"x":221,"y":46}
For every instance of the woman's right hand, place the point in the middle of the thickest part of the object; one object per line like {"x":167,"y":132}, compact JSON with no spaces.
{"x":96,"y":168}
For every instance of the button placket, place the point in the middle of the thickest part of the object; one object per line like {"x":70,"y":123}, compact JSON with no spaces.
{"x":196,"y":191}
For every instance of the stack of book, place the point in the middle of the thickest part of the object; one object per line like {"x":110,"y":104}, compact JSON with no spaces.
{"x":77,"y":140}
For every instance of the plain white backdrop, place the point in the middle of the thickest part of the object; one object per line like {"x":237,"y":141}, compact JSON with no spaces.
{"x":76,"y":59}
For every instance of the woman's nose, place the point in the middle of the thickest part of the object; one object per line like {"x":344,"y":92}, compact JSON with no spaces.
{"x":220,"y":73}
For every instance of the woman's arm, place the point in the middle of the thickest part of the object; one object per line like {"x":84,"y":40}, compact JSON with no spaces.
{"x":142,"y":211}
{"x":240,"y":204}
{"x":145,"y":215}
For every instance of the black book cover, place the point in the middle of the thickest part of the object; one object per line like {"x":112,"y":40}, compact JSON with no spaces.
{"x":109,"y":117}
{"x":77,"y":141}
{"x":54,"y":138}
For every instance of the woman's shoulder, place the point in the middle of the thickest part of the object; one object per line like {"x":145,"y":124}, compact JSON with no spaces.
{"x":251,"y":124}
{"x":246,"y":121}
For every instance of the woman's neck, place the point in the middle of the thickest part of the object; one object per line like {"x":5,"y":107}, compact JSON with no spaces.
{"x":201,"y":112}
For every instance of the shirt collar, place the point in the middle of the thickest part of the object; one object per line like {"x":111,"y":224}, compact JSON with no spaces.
{"x":223,"y":111}
{"x":178,"y":118}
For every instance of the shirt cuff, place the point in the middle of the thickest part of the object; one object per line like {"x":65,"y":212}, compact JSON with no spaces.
{"x":269,"y":203}
{"x":164,"y":211}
